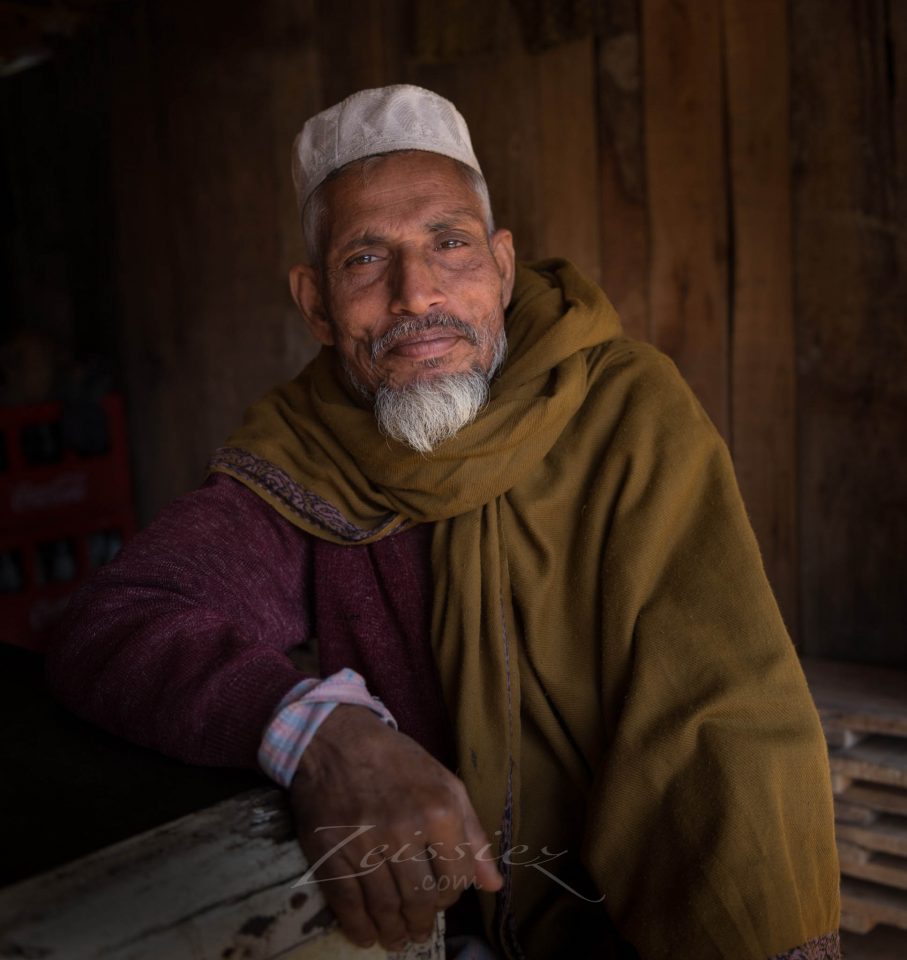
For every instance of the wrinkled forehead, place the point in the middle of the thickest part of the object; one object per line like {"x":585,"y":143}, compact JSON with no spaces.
{"x":405,"y":190}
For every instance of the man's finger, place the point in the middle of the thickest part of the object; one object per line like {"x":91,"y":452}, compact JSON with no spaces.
{"x":419,"y":893}
{"x":384,"y":906}
{"x":347,"y":903}
{"x":487,"y":875}
{"x":339,"y":883}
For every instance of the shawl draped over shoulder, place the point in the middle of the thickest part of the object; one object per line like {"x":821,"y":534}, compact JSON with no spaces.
{"x":631,"y":720}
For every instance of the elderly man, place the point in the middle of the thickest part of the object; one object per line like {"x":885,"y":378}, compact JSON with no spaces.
{"x":550,"y":667}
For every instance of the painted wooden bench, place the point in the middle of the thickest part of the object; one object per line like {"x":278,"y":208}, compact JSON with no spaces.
{"x":214,"y":885}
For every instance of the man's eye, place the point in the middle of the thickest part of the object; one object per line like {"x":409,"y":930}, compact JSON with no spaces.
{"x":451,"y":244}
{"x":362,"y":258}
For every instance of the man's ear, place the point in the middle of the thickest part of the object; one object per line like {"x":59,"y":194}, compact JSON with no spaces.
{"x":306,"y":292}
{"x":502,"y":249}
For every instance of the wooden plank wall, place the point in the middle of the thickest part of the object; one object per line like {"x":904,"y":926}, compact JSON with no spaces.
{"x":657,"y":152}
{"x":850,"y":147}
{"x":687,"y":196}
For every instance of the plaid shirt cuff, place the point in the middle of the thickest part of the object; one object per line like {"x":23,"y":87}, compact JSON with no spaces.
{"x":302,"y":711}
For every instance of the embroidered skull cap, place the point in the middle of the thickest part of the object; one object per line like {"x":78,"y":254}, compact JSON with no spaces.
{"x":381,"y":120}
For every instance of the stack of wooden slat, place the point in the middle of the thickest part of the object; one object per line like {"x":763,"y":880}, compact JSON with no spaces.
{"x":864,"y":715}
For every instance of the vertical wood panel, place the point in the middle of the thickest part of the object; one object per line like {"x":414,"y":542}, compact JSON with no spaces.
{"x":624,"y":225}
{"x":568,"y":155}
{"x":200,"y":202}
{"x":685,"y":151}
{"x":295,"y":94}
{"x":850,"y":298}
{"x":762,"y":342}
{"x":360,"y":44}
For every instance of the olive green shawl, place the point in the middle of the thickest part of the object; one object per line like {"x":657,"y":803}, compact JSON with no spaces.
{"x":619,"y":678}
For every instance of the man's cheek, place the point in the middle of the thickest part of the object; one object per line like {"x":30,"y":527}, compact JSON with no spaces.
{"x":479,"y":268}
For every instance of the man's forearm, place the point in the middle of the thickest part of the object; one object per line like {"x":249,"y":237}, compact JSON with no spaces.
{"x":180,"y":643}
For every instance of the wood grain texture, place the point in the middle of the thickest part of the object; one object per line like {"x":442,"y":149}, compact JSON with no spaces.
{"x":762,"y":398}
{"x":209,"y":886}
{"x":876,"y":759}
{"x":201,"y":199}
{"x":624,"y":222}
{"x":881,"y":868}
{"x":850,"y":297}
{"x":568,"y":155}
{"x":854,"y":813}
{"x":874,"y":796}
{"x":371,"y":55}
{"x":858,"y":698}
{"x":888,"y":834}
{"x":863,"y":905}
{"x":687,"y":203}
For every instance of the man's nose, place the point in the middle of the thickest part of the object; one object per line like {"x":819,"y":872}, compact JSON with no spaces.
{"x":414,"y":285}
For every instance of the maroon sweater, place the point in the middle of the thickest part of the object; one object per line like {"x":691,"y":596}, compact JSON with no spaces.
{"x":180,"y":644}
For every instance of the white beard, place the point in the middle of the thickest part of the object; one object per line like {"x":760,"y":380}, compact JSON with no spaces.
{"x":429,"y":411}
{"x":433,"y":409}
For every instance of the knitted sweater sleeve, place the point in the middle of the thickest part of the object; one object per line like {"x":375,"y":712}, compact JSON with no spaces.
{"x":180,"y":643}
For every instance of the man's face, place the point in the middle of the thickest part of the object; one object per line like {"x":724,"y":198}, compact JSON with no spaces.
{"x":412,"y":286}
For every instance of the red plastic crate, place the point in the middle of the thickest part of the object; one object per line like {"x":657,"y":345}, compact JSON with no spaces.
{"x":70,"y":484}
{"x":61,"y":511}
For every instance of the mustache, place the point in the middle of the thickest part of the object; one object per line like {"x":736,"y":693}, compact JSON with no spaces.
{"x":412,"y":325}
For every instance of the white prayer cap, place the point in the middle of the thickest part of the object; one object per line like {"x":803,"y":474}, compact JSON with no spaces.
{"x":399,"y":117}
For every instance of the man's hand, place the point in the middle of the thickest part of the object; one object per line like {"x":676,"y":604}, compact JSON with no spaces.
{"x":389,"y":831}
